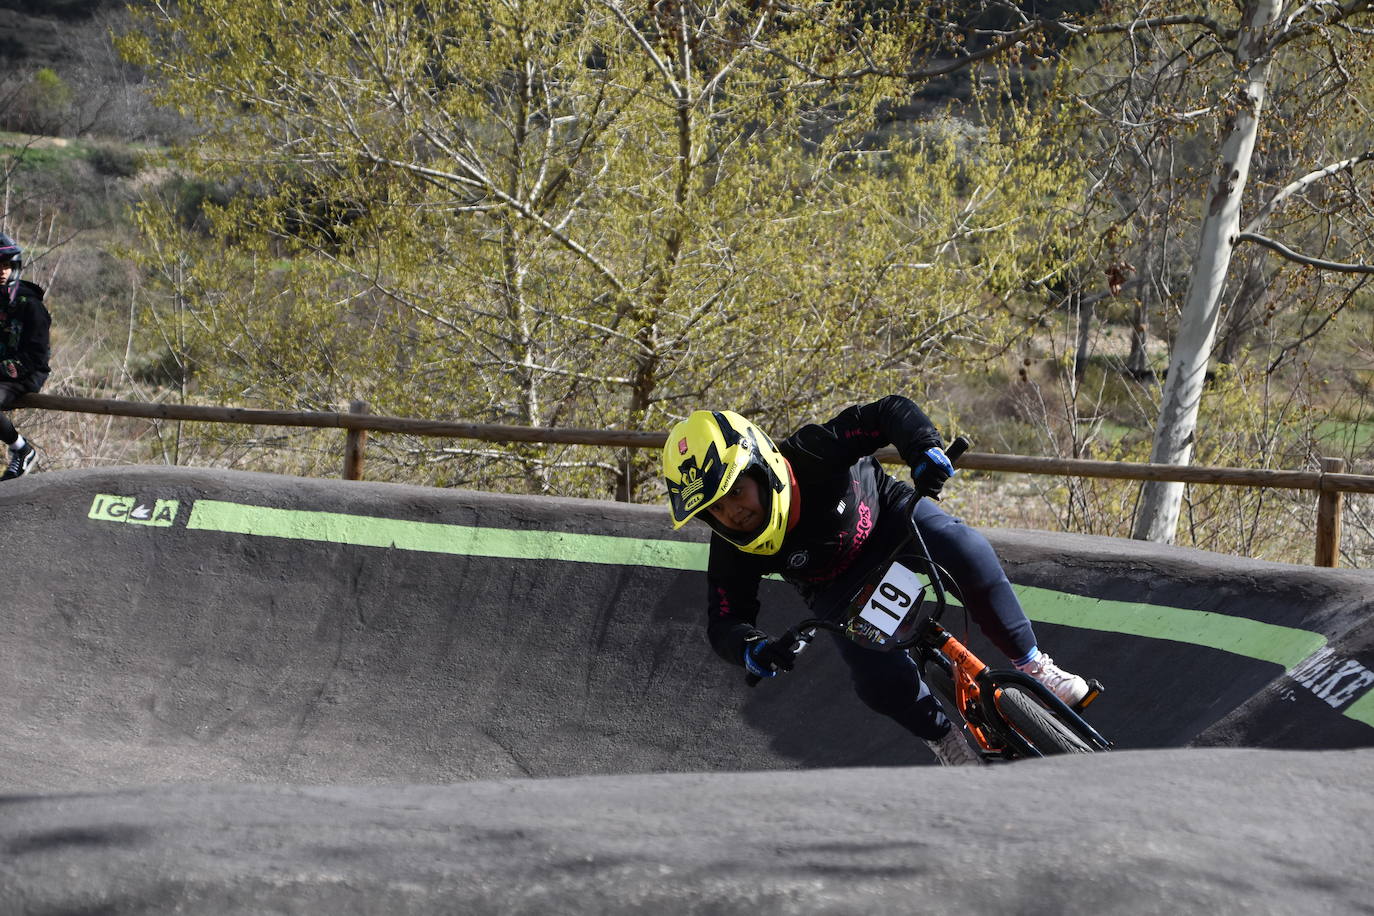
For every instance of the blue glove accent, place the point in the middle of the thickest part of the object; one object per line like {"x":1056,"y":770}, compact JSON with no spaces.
{"x":931,"y":472}
{"x":752,"y":664}
{"x":939,"y":459}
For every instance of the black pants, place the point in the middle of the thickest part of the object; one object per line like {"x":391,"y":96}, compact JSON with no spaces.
{"x":888,"y":682}
{"x":9,"y":393}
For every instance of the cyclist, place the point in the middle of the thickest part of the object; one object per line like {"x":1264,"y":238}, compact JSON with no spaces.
{"x":24,"y":323}
{"x":813,"y":509}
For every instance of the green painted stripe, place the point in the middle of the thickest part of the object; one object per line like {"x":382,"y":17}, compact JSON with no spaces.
{"x":1268,"y":642}
{"x":431,"y":537}
{"x":1362,"y":709}
{"x":1284,"y":646}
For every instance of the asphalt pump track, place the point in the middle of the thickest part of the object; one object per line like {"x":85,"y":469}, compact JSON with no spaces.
{"x":224,"y":692}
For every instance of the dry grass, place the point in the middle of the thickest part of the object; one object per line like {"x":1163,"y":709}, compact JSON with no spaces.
{"x":71,"y":440}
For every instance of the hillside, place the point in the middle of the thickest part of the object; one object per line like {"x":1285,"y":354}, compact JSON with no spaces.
{"x":52,"y":33}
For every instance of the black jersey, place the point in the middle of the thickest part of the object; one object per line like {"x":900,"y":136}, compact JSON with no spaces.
{"x":849,"y":508}
{"x":24,"y":347}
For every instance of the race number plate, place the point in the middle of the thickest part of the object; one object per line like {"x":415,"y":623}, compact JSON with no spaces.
{"x":894,"y":598}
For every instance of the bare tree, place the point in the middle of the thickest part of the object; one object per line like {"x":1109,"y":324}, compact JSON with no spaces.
{"x":1179,"y":70}
{"x":1262,"y":35}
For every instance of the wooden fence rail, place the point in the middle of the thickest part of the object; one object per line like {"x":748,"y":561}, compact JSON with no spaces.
{"x":1329,"y":482}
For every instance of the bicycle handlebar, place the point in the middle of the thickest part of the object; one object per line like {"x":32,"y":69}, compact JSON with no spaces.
{"x":798,"y":637}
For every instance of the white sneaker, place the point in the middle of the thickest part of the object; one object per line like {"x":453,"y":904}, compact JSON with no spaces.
{"x":1068,"y":687}
{"x":953,"y":750}
{"x":20,"y":462}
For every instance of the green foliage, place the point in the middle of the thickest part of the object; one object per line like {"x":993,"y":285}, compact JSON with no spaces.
{"x":552,"y":214}
{"x":60,"y":184}
{"x":49,"y":90}
{"x":541,"y":213}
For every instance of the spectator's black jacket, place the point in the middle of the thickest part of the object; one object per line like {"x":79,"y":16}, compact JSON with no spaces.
{"x":849,"y":506}
{"x":24,"y":325}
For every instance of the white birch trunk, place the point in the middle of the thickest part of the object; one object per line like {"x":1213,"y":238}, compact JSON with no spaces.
{"x":1175,"y":431}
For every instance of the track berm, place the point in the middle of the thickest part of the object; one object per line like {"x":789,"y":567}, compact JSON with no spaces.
{"x":225,"y":692}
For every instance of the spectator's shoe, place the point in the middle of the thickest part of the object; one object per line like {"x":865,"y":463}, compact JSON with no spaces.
{"x":1068,"y":687}
{"x":20,"y":461}
{"x":953,"y":750}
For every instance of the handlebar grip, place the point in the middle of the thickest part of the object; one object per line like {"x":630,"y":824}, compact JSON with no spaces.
{"x":957,"y":448}
{"x":798,"y":637}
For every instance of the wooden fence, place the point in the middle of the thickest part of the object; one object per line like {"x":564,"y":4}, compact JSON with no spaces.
{"x":1330,"y":482}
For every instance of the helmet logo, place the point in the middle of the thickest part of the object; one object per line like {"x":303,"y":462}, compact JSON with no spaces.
{"x":798,"y":559}
{"x":693,"y":481}
{"x":682,"y":446}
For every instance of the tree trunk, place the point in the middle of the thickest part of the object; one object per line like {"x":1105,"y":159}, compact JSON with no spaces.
{"x":1157,"y":517}
{"x":1138,"y":362}
{"x":1084,"y":315}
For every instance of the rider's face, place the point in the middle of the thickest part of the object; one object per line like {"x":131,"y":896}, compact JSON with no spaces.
{"x":741,"y":509}
{"x":5,"y":271}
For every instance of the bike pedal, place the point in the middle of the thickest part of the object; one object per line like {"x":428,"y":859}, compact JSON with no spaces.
{"x":1094,"y":691}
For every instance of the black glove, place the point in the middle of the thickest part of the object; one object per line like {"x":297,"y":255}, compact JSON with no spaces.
{"x":764,"y":657}
{"x":930,"y":473}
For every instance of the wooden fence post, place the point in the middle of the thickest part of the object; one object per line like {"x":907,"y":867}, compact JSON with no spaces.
{"x":1329,"y":518}
{"x":354,"y":444}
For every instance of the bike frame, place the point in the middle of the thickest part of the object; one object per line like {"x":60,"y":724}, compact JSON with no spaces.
{"x":977,"y":687}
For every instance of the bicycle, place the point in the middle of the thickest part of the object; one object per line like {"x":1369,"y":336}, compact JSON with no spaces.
{"x":898,"y":607}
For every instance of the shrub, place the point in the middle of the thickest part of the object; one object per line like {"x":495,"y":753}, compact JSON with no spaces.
{"x":115,"y":161}
{"x":38,"y":104}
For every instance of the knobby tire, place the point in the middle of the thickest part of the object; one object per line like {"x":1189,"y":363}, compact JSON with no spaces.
{"x":1035,"y":723}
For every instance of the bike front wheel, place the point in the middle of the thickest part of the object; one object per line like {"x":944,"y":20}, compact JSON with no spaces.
{"x":1035,"y":723}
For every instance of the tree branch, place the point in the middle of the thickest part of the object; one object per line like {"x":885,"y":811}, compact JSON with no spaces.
{"x":1308,"y":179}
{"x":1159,"y":22}
{"x":1290,"y":254}
{"x":1010,"y":40}
{"x":1007,"y":40}
{"x":1333,"y":13}
{"x":679,"y":92}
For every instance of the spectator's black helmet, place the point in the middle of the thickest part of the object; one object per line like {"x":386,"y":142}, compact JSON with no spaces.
{"x":11,"y":255}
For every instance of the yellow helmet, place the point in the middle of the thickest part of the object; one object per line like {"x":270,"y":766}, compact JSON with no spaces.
{"x":702,"y":459}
